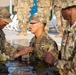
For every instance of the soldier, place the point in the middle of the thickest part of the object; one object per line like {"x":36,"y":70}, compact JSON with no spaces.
{"x":61,"y":22}
{"x":44,"y":8}
{"x":6,"y":50}
{"x":40,"y":44}
{"x":22,"y":7}
{"x":67,"y":63}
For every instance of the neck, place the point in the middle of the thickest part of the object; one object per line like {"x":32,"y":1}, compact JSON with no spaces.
{"x":73,"y":20}
{"x":38,"y":33}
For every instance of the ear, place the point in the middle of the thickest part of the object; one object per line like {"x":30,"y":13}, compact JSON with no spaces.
{"x":41,"y":25}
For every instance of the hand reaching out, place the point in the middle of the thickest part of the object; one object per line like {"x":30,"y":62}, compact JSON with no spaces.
{"x":23,"y":51}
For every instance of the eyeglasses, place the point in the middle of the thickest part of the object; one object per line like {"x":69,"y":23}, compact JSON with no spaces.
{"x":33,"y":22}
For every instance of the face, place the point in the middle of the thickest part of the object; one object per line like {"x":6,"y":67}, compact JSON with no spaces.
{"x":34,"y":27}
{"x":66,"y":13}
{"x":2,"y":23}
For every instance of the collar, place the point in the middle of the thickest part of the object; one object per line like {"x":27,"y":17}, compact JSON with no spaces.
{"x":71,"y":29}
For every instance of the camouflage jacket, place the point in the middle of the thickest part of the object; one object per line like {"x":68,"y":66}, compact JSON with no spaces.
{"x":68,"y":49}
{"x":42,"y":3}
{"x":2,"y":40}
{"x":41,"y":45}
{"x":23,"y":3}
{"x":56,"y":3}
{"x":6,"y":50}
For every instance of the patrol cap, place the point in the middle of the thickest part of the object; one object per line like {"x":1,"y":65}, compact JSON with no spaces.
{"x":68,"y":3}
{"x":4,"y":14}
{"x":37,"y":18}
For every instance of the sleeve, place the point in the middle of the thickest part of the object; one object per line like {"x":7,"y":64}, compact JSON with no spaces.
{"x":15,"y":5}
{"x":9,"y":50}
{"x":15,"y":2}
{"x":61,"y":64}
{"x":53,"y":48}
{"x":30,"y":3}
{"x":68,"y":64}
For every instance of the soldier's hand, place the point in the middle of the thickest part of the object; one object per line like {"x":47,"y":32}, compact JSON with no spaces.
{"x":23,"y":51}
{"x":48,"y":57}
{"x":2,"y":23}
{"x":25,"y":48}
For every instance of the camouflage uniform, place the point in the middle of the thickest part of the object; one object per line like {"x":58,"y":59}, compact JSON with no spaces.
{"x":22,"y":7}
{"x":42,"y":45}
{"x":44,"y":10}
{"x":68,"y":47}
{"x":60,"y":21}
{"x":6,"y":50}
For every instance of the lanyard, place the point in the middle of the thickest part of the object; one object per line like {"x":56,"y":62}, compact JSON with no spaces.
{"x":34,"y":9}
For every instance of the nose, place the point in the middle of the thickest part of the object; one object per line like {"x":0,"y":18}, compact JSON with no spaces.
{"x":30,"y":25}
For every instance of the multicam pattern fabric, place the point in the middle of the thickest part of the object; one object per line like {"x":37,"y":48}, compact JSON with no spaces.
{"x":42,"y":45}
{"x":56,"y":3}
{"x":42,"y":3}
{"x":38,"y":18}
{"x":5,"y":48}
{"x":4,"y":14}
{"x":68,"y":3}
{"x":2,"y":40}
{"x":68,"y":49}
{"x":22,"y":7}
{"x":61,"y":22}
{"x":23,"y":3}
{"x":44,"y":9}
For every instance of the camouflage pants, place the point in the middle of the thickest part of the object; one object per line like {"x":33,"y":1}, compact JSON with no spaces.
{"x":60,"y":21}
{"x":45,"y":12}
{"x":23,"y":16}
